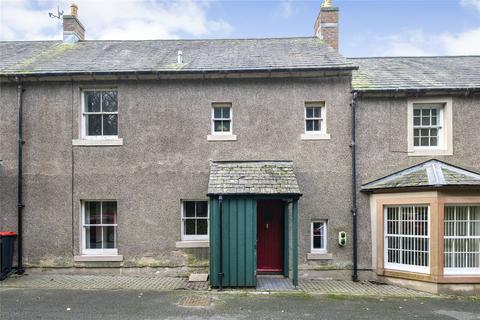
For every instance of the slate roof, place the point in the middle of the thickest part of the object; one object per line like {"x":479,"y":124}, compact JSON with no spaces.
{"x":152,"y":56}
{"x":252,"y":177}
{"x":413,"y":73}
{"x":432,"y":173}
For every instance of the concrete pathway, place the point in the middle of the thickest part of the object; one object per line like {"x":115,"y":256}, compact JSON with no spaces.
{"x":159,"y":283}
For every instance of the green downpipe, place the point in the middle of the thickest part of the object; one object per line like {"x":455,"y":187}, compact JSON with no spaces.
{"x":295,"y":242}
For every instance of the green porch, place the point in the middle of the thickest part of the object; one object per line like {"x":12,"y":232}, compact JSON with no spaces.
{"x":253,"y":216}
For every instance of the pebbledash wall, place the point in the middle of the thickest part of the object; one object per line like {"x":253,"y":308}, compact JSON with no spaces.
{"x":165,"y":158}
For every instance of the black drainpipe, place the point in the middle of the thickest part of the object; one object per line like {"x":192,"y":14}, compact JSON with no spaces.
{"x":20,"y":205}
{"x":354,"y":187}
{"x":220,"y":244}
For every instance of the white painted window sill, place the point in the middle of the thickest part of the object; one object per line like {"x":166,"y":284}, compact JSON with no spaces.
{"x":193,"y":244}
{"x":222,"y":137}
{"x":98,"y":258}
{"x":429,"y":152}
{"x":315,"y":136}
{"x":97,"y":142}
{"x":319,"y":256}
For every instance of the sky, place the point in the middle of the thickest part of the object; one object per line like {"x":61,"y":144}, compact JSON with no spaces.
{"x":367,"y":28}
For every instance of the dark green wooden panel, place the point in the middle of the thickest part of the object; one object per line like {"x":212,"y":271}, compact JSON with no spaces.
{"x":286,"y":241}
{"x":239,"y":219}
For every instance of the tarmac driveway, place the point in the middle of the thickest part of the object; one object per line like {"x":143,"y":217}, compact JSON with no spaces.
{"x":26,"y":303}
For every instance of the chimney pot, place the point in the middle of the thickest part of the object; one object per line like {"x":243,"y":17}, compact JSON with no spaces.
{"x":73,"y":29}
{"x":74,"y":10}
{"x":326,"y":26}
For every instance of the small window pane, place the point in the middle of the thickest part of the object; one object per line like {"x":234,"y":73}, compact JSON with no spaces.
{"x":202,"y":227}
{"x":109,"y":212}
{"x":433,"y":132}
{"x":416,"y":132}
{"x":424,"y":132}
{"x":217,"y":113}
{"x":226,"y":126}
{"x":316,"y":125}
{"x":434,"y":121}
{"x":109,"y":237}
{"x":309,"y":125}
{"x":316,"y":112}
{"x":202,"y":209}
{"x":92,"y":101}
{"x":317,"y":243}
{"x":416,"y":142}
{"x":433,"y":142}
{"x":226,"y":113}
{"x":309,"y":112}
{"x":110,"y":125}
{"x":434,"y":112}
{"x":189,"y":226}
{"x":416,"y":121}
{"x":93,"y":237}
{"x":416,"y":112}
{"x":189,"y":210}
{"x":109,"y":101}
{"x":424,"y":141}
{"x":94,"y":125}
{"x":92,"y":212}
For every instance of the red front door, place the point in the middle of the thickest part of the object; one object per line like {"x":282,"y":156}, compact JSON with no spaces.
{"x":270,"y":236}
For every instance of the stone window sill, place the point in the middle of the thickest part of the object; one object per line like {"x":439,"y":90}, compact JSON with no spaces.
{"x":315,"y":136}
{"x":95,"y":142}
{"x":429,"y":152}
{"x":220,"y":137}
{"x":193,"y":244}
{"x":319,"y":256}
{"x":98,"y":258}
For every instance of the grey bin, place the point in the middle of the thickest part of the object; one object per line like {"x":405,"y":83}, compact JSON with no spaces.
{"x":7,"y":241}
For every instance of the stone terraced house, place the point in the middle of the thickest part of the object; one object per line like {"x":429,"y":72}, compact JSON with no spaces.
{"x":242,"y":157}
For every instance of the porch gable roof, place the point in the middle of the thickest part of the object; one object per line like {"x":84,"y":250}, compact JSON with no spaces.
{"x":252,"y":178}
{"x":432,"y":173}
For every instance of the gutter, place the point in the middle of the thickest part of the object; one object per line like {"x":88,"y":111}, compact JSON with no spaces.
{"x":184,"y":72}
{"x":20,"y":205}
{"x":354,"y":188}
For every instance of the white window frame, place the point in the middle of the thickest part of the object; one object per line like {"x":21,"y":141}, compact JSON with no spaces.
{"x":99,"y":251}
{"x":222,"y":105}
{"x":458,"y":270}
{"x":406,"y":267}
{"x":83,"y":122}
{"x":444,"y":124}
{"x":439,"y":126}
{"x":186,"y":237}
{"x":318,"y":134}
{"x":325,"y":237}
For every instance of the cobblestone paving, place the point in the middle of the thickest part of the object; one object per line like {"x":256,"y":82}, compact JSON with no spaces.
{"x":116,"y":282}
{"x":95,"y":282}
{"x":357,"y":288}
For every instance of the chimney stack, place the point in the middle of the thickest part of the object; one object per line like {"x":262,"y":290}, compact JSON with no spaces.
{"x":326,"y":26}
{"x":73,"y":29}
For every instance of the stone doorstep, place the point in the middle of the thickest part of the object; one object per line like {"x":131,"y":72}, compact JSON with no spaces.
{"x":198,"y":277}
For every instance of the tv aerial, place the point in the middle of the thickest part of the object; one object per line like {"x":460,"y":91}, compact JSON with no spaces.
{"x":58,"y":15}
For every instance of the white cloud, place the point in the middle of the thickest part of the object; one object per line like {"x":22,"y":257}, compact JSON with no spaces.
{"x":111,"y":19}
{"x":471,"y":3}
{"x":420,"y":43}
